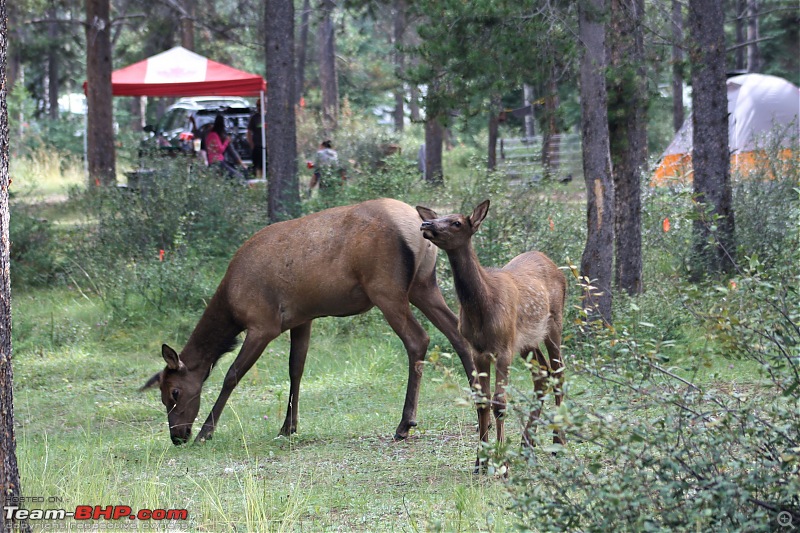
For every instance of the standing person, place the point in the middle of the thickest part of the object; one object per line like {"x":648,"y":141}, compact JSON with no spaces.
{"x":254,"y":128}
{"x":325,"y":166}
{"x":328,"y":175}
{"x":218,"y":143}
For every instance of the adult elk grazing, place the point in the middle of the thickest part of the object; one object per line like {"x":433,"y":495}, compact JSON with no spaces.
{"x":507,"y":310}
{"x":337,"y":262}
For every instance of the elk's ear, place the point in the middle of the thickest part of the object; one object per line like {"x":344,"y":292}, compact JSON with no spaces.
{"x":479,"y":214}
{"x":171,"y":357}
{"x":426,"y":214}
{"x":152,"y":382}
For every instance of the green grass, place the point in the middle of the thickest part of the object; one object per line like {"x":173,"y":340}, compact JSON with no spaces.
{"x":87,"y":435}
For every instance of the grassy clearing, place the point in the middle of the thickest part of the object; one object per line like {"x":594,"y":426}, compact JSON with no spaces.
{"x":88,"y":436}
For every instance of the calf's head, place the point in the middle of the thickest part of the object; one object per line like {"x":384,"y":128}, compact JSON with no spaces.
{"x":180,"y":394}
{"x":451,"y":231}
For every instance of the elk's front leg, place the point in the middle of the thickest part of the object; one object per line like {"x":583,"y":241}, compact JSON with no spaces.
{"x":298,"y":350}
{"x":252,"y":348}
{"x":483,"y":367}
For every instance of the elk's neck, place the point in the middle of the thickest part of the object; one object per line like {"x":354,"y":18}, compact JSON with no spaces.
{"x":469,"y":277}
{"x":214,"y":336}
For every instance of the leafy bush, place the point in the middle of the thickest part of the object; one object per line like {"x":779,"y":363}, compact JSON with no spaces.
{"x":763,"y":200}
{"x":666,"y":441}
{"x":33,"y":251}
{"x":148,"y":249}
{"x":172,"y":207}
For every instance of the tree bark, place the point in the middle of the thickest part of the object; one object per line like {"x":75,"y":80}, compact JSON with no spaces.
{"x":740,"y":7}
{"x":283,"y":191}
{"x":399,"y":64}
{"x":551,"y":143}
{"x":9,"y":471}
{"x":627,"y":124}
{"x":710,"y":159}
{"x":301,"y":49}
{"x":327,"y":67}
{"x":677,"y":65}
{"x":100,"y":121}
{"x":753,"y":55}
{"x":527,"y":91}
{"x":187,"y":24}
{"x":52,"y":66}
{"x":494,"y":128}
{"x":597,"y":258}
{"x":434,"y":138}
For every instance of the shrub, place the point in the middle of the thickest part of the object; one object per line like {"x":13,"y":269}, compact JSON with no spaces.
{"x":684,"y":447}
{"x":173,"y":207}
{"x":33,"y":251}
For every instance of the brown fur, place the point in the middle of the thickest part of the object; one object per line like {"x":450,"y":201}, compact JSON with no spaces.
{"x":503,"y":311}
{"x":338,"y":262}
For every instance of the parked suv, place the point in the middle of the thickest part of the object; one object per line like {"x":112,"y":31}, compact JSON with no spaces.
{"x":175,"y":132}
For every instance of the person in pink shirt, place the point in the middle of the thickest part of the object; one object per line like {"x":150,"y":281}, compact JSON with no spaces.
{"x":217,"y":144}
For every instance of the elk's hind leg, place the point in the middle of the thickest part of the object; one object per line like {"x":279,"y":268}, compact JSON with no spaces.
{"x":556,"y":367}
{"x":539,"y":373}
{"x":298,"y":350}
{"x":395,"y":308}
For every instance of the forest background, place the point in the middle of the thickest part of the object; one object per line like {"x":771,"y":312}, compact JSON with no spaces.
{"x":683,"y":389}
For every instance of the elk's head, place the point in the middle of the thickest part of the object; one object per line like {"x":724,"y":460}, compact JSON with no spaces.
{"x":451,"y":231}
{"x":180,"y":394}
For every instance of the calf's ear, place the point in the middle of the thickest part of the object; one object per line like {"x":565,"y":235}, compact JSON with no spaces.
{"x":479,"y":214}
{"x":426,"y":214}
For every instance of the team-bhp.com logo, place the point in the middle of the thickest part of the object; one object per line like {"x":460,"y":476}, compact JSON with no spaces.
{"x":95,"y":512}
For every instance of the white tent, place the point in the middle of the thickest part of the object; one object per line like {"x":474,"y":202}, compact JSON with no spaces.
{"x":762,"y":111}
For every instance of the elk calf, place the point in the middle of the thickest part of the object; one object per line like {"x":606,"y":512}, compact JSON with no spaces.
{"x":507,"y":310}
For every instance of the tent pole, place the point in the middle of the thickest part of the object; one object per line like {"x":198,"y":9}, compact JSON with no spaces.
{"x":263,"y":140}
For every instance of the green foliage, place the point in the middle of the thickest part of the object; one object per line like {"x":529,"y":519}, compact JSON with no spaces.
{"x":34,"y":250}
{"x":666,"y":439}
{"x":169,"y":208}
{"x":765,"y":204}
{"x":148,"y":247}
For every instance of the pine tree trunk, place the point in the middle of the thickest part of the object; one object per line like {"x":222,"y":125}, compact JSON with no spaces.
{"x":9,"y":471}
{"x":494,"y":128}
{"x":302,"y":48}
{"x":551,"y":142}
{"x":597,"y":258}
{"x":527,"y":91}
{"x":100,"y":120}
{"x":434,"y":139}
{"x":740,"y":7}
{"x":187,"y":25}
{"x":753,"y":55}
{"x":283,"y":192}
{"x":327,"y":67}
{"x":53,"y":54}
{"x":628,"y":138}
{"x":399,"y":64}
{"x":710,"y":160}
{"x":677,"y":65}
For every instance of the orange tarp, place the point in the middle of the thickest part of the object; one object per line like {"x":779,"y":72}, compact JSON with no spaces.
{"x":677,"y":168}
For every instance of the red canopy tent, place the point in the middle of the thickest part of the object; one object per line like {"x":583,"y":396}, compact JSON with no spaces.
{"x":181,"y":72}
